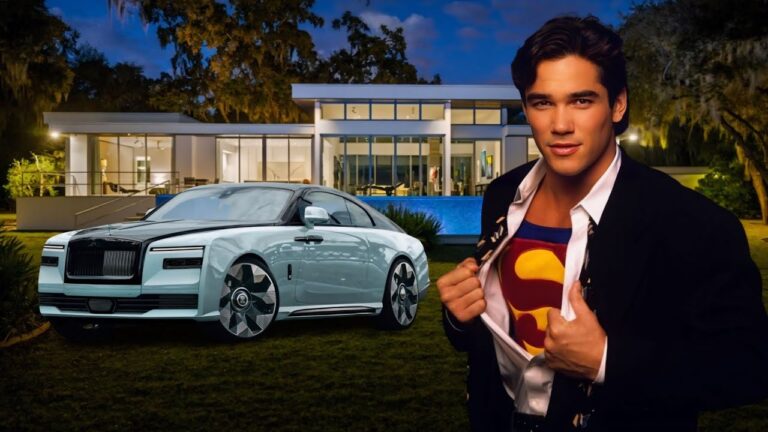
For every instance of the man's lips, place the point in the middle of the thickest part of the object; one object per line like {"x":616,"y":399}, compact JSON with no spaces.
{"x":564,"y":149}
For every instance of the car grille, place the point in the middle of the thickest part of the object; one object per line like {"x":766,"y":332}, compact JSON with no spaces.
{"x":105,"y":259}
{"x":140,"y":304}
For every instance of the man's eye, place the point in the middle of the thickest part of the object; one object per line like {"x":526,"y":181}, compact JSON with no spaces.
{"x":583,"y":101}
{"x":540,"y":104}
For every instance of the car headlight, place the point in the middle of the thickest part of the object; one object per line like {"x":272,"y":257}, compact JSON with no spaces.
{"x":182,"y":263}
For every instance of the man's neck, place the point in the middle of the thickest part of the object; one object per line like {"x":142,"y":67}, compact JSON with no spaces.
{"x":557,"y":195}
{"x":567,"y":191}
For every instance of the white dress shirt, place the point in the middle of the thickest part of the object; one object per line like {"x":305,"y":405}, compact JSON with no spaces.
{"x":592,"y":205}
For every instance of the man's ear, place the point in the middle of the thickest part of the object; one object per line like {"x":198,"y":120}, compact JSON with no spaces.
{"x":619,"y":106}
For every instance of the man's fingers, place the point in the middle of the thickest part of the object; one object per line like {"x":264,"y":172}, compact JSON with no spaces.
{"x":554,"y":317}
{"x":451,"y":291}
{"x":456,"y":275}
{"x":466,"y":300}
{"x":578,"y":304}
{"x":470,"y":264}
{"x":472,"y":311}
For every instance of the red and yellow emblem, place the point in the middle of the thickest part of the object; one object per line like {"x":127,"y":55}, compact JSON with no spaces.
{"x":531,"y":274}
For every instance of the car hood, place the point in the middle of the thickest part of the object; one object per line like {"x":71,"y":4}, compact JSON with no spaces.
{"x":143,"y":231}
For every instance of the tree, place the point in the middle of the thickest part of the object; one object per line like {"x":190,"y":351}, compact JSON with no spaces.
{"x":97,"y":86}
{"x":34,"y":75}
{"x":370,"y":58}
{"x":703,"y":62}
{"x":234,"y":61}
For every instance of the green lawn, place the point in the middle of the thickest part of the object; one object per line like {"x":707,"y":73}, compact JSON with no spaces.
{"x":305,"y":375}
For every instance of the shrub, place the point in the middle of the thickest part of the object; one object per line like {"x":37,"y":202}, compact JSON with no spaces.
{"x":726,"y":186}
{"x":38,"y":176}
{"x":18,"y":290}
{"x":417,"y":224}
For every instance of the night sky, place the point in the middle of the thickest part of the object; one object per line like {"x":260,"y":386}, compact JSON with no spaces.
{"x":465,"y":42}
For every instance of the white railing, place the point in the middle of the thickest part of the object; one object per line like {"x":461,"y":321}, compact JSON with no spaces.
{"x":116,"y":200}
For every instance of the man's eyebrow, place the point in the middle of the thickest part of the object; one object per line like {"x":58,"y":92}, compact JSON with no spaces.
{"x":583,"y":94}
{"x":536,"y":96}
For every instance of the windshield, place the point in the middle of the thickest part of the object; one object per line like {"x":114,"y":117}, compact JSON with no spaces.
{"x":251,"y":204}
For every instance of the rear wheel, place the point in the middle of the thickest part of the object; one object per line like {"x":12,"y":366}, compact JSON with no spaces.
{"x":82,"y":330}
{"x":248,"y":301}
{"x":401,"y":297}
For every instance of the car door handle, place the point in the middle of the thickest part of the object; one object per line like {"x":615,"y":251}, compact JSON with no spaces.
{"x":309,"y":239}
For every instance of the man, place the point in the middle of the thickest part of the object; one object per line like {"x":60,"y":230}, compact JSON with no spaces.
{"x":633,"y":300}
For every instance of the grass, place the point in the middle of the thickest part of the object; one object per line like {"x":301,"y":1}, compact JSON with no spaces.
{"x":304,"y":375}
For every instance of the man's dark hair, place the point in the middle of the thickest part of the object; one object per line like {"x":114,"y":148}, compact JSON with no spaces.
{"x":585,"y":37}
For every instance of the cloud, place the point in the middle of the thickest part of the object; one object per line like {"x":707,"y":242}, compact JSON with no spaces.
{"x":521,"y":19}
{"x":468,"y":33}
{"x":468,"y":12}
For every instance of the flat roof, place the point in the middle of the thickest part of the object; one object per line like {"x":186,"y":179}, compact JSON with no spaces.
{"x":446,"y":92}
{"x":163,"y":124}
{"x":116,"y":117}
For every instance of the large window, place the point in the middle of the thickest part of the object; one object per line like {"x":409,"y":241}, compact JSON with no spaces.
{"x":383,"y":152}
{"x":251,"y":159}
{"x":131,"y":164}
{"x":476,"y":115}
{"x":408,"y":111}
{"x":275,"y":159}
{"x":382,"y":110}
{"x":474,"y":164}
{"x":332,"y":111}
{"x":383,"y":165}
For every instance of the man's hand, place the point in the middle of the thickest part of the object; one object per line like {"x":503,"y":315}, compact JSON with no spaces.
{"x":574,"y":347}
{"x":460,"y":291}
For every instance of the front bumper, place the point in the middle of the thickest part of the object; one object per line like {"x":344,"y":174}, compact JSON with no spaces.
{"x":162,"y":294}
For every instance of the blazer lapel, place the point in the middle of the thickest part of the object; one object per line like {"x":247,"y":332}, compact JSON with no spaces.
{"x":621,"y":245}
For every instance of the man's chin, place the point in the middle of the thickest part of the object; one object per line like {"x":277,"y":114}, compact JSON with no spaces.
{"x":564,"y":168}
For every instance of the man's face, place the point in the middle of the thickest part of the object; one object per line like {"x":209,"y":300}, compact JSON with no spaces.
{"x":571,"y":118}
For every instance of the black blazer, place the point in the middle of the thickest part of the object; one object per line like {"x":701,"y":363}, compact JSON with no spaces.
{"x":678,"y":296}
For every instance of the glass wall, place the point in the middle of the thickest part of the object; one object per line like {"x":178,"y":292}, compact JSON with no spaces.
{"x":382,"y":110}
{"x":481,"y":114}
{"x":409,"y":166}
{"x":462,"y":178}
{"x":271,"y":158}
{"x":300,"y":160}
{"x":277,"y":159}
{"x":251,"y":159}
{"x":474,"y":163}
{"x":131,"y":164}
{"x":227,"y":157}
{"x":383,"y":165}
{"x":383,"y":153}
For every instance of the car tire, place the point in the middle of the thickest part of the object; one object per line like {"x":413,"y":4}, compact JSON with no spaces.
{"x":82,"y":330}
{"x":401,"y":297}
{"x":248,"y":302}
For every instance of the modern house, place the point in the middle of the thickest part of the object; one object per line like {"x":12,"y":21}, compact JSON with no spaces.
{"x":387,"y":140}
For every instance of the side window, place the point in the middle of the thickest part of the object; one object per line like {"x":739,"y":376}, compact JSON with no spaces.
{"x":333,"y":204}
{"x":359,"y":216}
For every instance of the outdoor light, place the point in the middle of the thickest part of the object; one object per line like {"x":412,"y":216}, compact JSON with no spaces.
{"x":55,"y":134}
{"x":633,"y":137}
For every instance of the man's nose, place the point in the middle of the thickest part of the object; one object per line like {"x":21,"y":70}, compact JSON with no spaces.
{"x":562,"y":121}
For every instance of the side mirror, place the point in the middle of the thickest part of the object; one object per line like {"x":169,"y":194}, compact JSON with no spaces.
{"x":314,"y":216}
